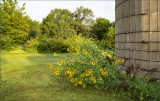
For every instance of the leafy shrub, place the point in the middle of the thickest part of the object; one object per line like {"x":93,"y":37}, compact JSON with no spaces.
{"x":92,"y":66}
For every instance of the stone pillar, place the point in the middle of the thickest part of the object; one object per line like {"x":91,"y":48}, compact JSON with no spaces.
{"x":137,"y":34}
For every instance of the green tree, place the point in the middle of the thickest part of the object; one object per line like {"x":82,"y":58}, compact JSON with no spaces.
{"x":13,"y":24}
{"x":58,"y":23}
{"x":109,"y":38}
{"x":34,"y":29}
{"x":100,"y":27}
{"x":83,"y":20}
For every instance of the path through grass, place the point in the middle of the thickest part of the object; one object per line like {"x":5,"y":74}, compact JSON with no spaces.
{"x":25,"y":77}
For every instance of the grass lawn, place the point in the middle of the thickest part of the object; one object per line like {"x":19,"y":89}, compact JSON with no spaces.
{"x":25,"y":77}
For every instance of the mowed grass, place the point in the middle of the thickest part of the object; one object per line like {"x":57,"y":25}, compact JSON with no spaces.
{"x":25,"y":77}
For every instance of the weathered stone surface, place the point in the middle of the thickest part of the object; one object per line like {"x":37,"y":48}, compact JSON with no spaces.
{"x":153,"y":21}
{"x":154,"y":37}
{"x":138,"y":33}
{"x":145,"y":22}
{"x":159,"y":19}
{"x":153,"y":6}
{"x":145,"y":6}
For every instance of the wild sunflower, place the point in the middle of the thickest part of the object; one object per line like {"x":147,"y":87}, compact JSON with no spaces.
{"x":57,"y":72}
{"x":100,"y":78}
{"x":90,"y":71}
{"x":93,"y":63}
{"x":104,"y":53}
{"x":92,"y":78}
{"x":82,"y":75}
{"x":101,"y":69}
{"x":83,"y":49}
{"x":99,"y":50}
{"x":122,"y":60}
{"x":94,"y":81}
{"x":87,"y":74}
{"x":67,"y":49}
{"x":86,"y":79}
{"x":90,"y":55}
{"x":75,"y":84}
{"x":72,"y":80}
{"x":103,"y":73}
{"x":84,"y":86}
{"x":80,"y":82}
{"x":51,"y":65}
{"x":59,"y":63}
{"x":55,"y":54}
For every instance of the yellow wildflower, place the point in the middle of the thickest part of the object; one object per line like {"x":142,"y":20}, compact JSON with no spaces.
{"x":68,"y":49}
{"x":57,"y":72}
{"x":104,"y":53}
{"x":54,"y":68}
{"x":92,"y":78}
{"x":55,"y":54}
{"x":84,"y":86}
{"x":59,"y":63}
{"x":65,"y":73}
{"x":82,"y":75}
{"x":72,"y":80}
{"x":86,"y":52}
{"x":95,"y":58}
{"x":101,"y":69}
{"x":87,"y":74}
{"x":85,"y":42}
{"x":77,"y":51}
{"x":99,"y":50}
{"x":93,"y":63}
{"x":103,"y":73}
{"x":83,"y":49}
{"x":90,"y":55}
{"x":90,"y":71}
{"x":86,"y":79}
{"x":80,"y":82}
{"x":94,"y":81}
{"x":70,"y":76}
{"x":100,"y":78}
{"x":122,"y":60}
{"x":75,"y":84}
{"x":51,"y":65}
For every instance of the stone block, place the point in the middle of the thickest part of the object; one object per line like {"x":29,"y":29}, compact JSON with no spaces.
{"x":132,"y":54}
{"x":138,"y":55}
{"x":127,"y":38}
{"x":132,"y":46}
{"x":127,"y":8}
{"x":125,"y":54}
{"x":138,"y":23}
{"x":120,"y":11}
{"x":132,"y":61}
{"x":132,"y":37}
{"x":159,"y":20}
{"x":122,"y":25}
{"x":145,"y":6}
{"x":138,"y":62}
{"x":126,"y":45}
{"x":145,"y":22}
{"x":138,"y":6}
{"x":126,"y":63}
{"x":119,"y":27}
{"x":145,"y":55}
{"x":154,"y":37}
{"x":153,"y":22}
{"x":155,"y":65}
{"x":142,"y":47}
{"x":132,"y":7}
{"x":154,"y":47}
{"x":123,"y":9}
{"x":153,"y":6}
{"x":145,"y":37}
{"x":132,"y":24}
{"x":119,"y":37}
{"x":155,"y":56}
{"x":145,"y":65}
{"x":123,"y":37}
{"x":127,"y":24}
{"x":158,"y":6}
